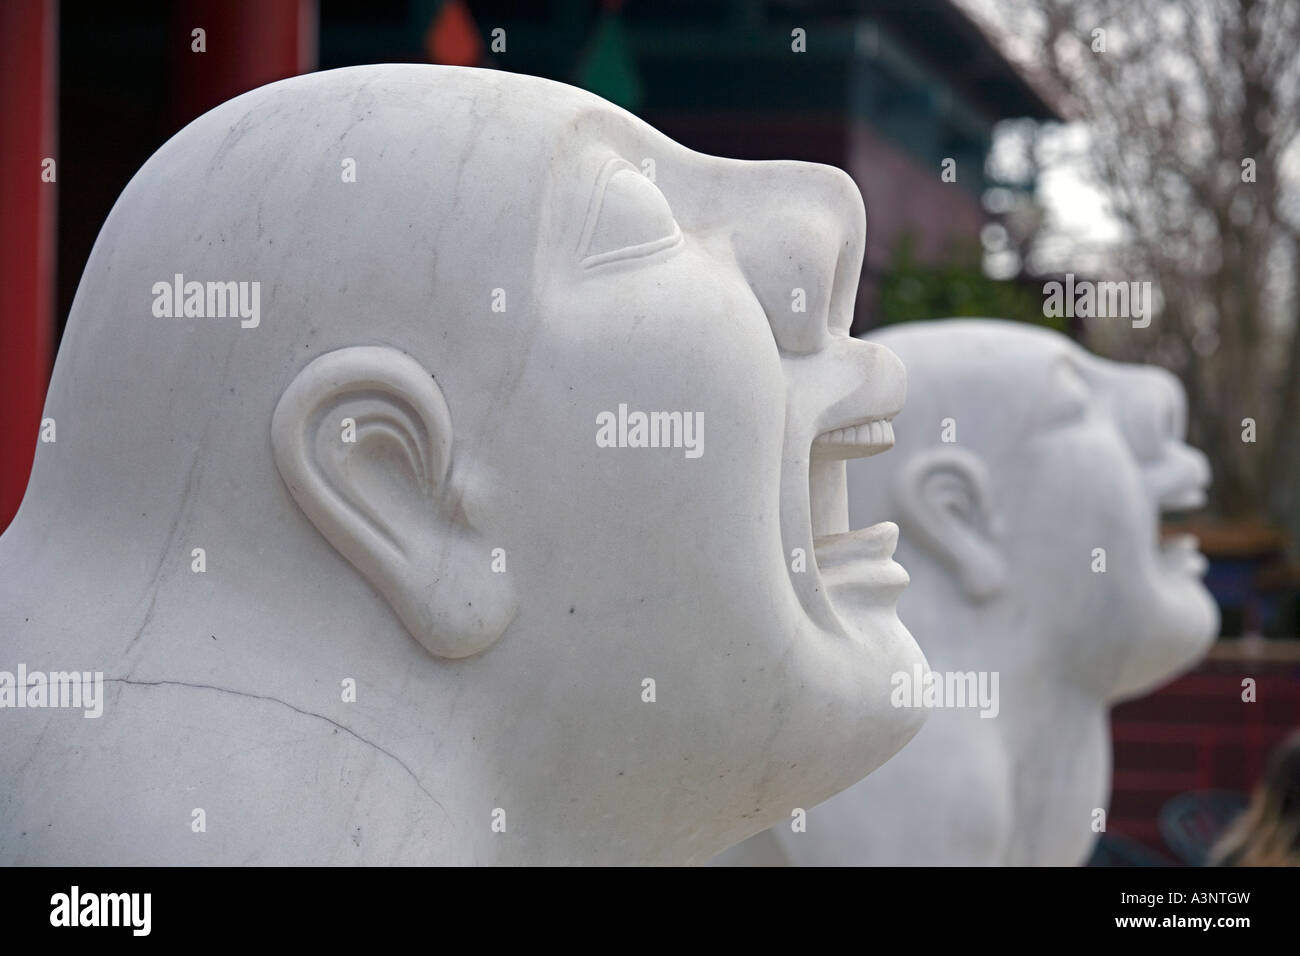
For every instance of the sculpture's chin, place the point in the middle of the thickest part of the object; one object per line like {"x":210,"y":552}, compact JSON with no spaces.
{"x":1183,"y":623}
{"x":891,"y":727}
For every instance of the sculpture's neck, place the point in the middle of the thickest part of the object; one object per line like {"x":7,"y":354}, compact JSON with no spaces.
{"x":1055,"y":733}
{"x":1062,"y":756}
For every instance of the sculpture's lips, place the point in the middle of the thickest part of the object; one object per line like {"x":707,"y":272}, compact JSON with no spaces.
{"x":1182,"y":553}
{"x":1187,"y":497}
{"x":874,"y":543}
{"x":859,"y":564}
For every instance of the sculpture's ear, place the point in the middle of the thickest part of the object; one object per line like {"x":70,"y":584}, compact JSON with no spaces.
{"x":363,"y":439}
{"x":943,"y":495}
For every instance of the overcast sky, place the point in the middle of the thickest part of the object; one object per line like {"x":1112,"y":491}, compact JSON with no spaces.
{"x":1075,"y":209}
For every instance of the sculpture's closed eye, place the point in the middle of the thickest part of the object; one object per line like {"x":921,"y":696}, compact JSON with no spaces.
{"x":629,"y":218}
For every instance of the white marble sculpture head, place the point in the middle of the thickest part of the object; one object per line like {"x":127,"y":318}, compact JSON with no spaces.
{"x":459,"y":289}
{"x":1025,"y":466}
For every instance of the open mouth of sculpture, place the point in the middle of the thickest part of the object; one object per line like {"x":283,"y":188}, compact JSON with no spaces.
{"x":853,"y":564}
{"x":1180,"y":551}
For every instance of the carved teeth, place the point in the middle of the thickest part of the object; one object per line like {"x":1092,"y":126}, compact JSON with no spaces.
{"x":877,"y":432}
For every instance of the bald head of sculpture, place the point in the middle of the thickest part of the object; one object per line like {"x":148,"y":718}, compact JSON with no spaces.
{"x":468,"y":285}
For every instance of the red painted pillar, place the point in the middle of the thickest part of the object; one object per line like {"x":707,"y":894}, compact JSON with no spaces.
{"x":247,"y":44}
{"x":28,"y":108}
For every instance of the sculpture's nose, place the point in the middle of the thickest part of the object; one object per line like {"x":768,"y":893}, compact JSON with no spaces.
{"x":1153,"y":416}
{"x":800,"y":245}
